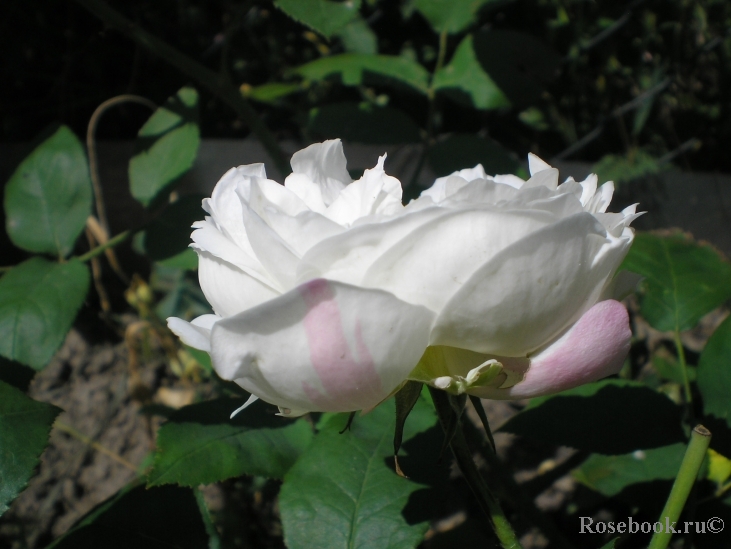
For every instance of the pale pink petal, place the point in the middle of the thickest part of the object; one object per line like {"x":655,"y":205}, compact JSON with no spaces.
{"x":593,"y":348}
{"x":324,"y":346}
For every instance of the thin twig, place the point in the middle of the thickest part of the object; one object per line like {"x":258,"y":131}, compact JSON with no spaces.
{"x":205,"y":77}
{"x":98,"y":447}
{"x":91,"y":147}
{"x":121,"y":237}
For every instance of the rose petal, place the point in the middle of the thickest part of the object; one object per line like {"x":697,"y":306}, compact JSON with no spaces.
{"x":593,"y":348}
{"x":325,"y":165}
{"x":430,"y":264}
{"x":228,"y":289}
{"x":197,"y":333}
{"x":531,"y":291}
{"x":536,"y":165}
{"x":324,"y":346}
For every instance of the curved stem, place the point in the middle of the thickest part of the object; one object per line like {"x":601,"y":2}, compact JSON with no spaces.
{"x":485,"y":498}
{"x":203,"y":75}
{"x":121,"y":237}
{"x":700,"y":438}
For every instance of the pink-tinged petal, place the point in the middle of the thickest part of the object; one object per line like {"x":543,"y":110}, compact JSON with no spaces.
{"x":593,"y":348}
{"x":324,"y":346}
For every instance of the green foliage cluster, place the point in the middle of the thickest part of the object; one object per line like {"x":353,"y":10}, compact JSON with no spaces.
{"x":342,"y":489}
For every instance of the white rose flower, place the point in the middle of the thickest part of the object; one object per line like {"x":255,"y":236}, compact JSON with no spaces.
{"x":329,"y":294}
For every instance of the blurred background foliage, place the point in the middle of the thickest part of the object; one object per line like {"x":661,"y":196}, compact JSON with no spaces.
{"x":630,"y":84}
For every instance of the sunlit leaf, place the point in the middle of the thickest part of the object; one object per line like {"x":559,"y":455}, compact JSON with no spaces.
{"x":609,"y":475}
{"x":200,"y":444}
{"x":157,"y":518}
{"x":166,"y":147}
{"x":48,"y":198}
{"x":38,"y":303}
{"x":683,"y":280}
{"x":271,"y":92}
{"x":358,"y":37}
{"x":24,"y":427}
{"x":324,"y":16}
{"x":363,"y":124}
{"x":607,"y":417}
{"x":356,"y":68}
{"x":464,"y":75}
{"x":343,"y":492}
{"x":714,"y":373}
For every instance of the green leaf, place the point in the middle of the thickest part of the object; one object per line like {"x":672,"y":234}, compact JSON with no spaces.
{"x":343,"y":493}
{"x":48,"y":198}
{"x":611,"y":544}
{"x":462,"y":150}
{"x":714,"y":373}
{"x":609,"y":475}
{"x":271,"y":92}
{"x":357,"y":68}
{"x":626,"y":168}
{"x":135,"y":517}
{"x":166,"y":146}
{"x":450,"y":16}
{"x":186,"y":260}
{"x":608,"y":417}
{"x":169,"y":234}
{"x":683,"y":280}
{"x":357,"y":37}
{"x":38,"y":303}
{"x":464,"y":75}
{"x":363,"y":123}
{"x":24,"y":427}
{"x":200,"y":444}
{"x":323,"y":16}
{"x":16,"y":374}
{"x":184,"y":297}
{"x":520,"y":64}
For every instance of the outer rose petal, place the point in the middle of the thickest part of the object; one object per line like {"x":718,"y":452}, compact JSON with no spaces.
{"x":227,"y":288}
{"x":324,"y":346}
{"x":531,"y":291}
{"x":593,"y":348}
{"x":196,"y":333}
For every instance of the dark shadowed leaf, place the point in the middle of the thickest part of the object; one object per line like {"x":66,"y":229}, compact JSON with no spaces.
{"x":24,"y":427}
{"x":464,"y":77}
{"x":324,"y":16}
{"x":200,"y":444}
{"x":714,"y":373}
{"x":360,"y":123}
{"x":166,"y":146}
{"x":16,"y":374}
{"x":358,"y":68}
{"x":462,"y":151}
{"x":683,"y":280}
{"x":159,"y":518}
{"x":343,"y":492}
{"x":169,"y":234}
{"x":450,"y":16}
{"x":48,"y":198}
{"x":609,"y":475}
{"x":38,"y":303}
{"x":608,"y":417}
{"x":520,"y":64}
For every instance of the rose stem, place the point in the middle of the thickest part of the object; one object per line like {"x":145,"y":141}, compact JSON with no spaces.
{"x":463,"y":455}
{"x":700,"y":438}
